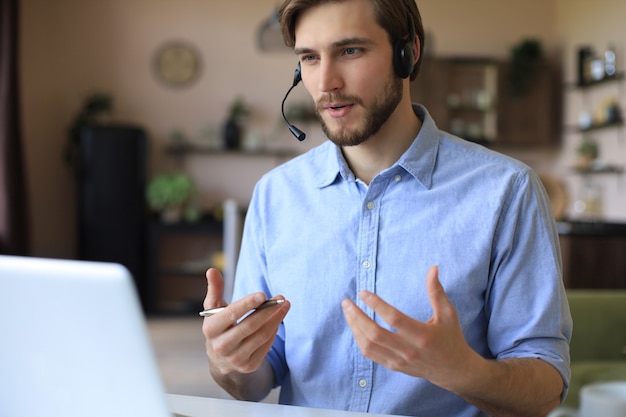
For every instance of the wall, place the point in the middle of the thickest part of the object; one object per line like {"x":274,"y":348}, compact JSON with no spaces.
{"x":71,"y":48}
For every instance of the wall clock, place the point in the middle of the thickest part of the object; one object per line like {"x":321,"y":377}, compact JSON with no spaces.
{"x":177,"y":63}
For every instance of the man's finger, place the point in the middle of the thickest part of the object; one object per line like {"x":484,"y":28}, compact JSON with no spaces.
{"x":375,"y":343}
{"x":436,"y":294}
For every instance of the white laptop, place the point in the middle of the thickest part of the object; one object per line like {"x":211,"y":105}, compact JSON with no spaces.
{"x":73,"y":342}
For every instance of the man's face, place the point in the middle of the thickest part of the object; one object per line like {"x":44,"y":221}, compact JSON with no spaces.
{"x":346,"y":60}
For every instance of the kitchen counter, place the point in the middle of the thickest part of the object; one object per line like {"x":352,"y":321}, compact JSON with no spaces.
{"x":590,"y":228}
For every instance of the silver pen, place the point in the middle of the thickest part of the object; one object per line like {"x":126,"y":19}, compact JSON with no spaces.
{"x":265,"y":304}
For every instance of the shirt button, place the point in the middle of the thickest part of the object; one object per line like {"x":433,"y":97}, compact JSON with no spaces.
{"x":371,"y":205}
{"x":397,"y":178}
{"x":366,"y":264}
{"x":362,"y":383}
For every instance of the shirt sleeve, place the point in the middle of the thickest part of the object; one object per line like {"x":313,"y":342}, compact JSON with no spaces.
{"x":526,"y":301}
{"x":251,"y":276}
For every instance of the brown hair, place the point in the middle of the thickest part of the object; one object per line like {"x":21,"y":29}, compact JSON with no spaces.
{"x":391,"y":15}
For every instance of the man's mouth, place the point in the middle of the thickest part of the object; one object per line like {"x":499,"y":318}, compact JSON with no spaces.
{"x":336,"y":106}
{"x":338,"y":110}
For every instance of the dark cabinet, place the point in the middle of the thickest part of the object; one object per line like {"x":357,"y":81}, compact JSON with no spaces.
{"x":594,"y":255}
{"x":179,"y":255}
{"x":112,"y":214}
{"x":461,"y":96}
{"x":532,"y":119}
{"x":472,"y":98}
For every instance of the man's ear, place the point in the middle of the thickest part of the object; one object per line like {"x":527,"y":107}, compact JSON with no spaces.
{"x":417,"y":47}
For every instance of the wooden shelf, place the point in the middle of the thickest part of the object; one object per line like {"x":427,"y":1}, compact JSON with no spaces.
{"x":596,"y":127}
{"x":205,"y":150}
{"x":608,"y":169}
{"x":471,"y":109}
{"x":577,"y":86}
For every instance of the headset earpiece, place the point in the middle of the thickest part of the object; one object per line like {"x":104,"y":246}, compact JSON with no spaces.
{"x":403,"y":53}
{"x":297,"y":75}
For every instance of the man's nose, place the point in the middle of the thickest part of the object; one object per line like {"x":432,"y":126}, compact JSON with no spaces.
{"x":330,"y":78}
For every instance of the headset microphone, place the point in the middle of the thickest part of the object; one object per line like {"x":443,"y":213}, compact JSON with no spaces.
{"x":297,"y":77}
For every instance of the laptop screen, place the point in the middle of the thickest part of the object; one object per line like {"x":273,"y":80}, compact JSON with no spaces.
{"x":74,"y":342}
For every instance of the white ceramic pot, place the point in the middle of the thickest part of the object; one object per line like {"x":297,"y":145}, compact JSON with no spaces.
{"x":606,"y":399}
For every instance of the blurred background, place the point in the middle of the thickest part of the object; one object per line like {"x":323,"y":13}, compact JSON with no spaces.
{"x":180,"y":70}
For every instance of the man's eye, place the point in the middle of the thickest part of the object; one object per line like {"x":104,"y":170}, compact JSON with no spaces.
{"x":351,"y":51}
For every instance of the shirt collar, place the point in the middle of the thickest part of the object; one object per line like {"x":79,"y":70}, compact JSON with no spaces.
{"x":334,"y":166}
{"x":418,"y":160}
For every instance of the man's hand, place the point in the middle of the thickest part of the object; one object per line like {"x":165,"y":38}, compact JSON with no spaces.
{"x":435,"y":350}
{"x":238,"y":347}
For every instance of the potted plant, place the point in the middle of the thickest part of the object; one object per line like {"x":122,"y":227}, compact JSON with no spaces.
{"x":170,"y":195}
{"x":587,"y":153}
{"x":96,"y":107}
{"x":525,"y":59}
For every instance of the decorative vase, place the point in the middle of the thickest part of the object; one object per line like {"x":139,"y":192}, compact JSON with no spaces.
{"x":172,"y":214}
{"x":231,"y":134}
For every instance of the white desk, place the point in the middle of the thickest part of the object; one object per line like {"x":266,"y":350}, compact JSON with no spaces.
{"x":189,"y":406}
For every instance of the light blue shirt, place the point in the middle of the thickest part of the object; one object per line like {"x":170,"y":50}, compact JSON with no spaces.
{"x":317,"y":235}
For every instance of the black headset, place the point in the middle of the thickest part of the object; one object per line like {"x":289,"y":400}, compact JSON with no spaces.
{"x":403,"y":53}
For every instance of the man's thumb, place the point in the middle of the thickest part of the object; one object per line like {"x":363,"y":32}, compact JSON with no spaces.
{"x":215,"y":289}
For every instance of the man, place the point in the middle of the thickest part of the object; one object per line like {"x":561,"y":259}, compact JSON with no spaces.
{"x":349,"y":233}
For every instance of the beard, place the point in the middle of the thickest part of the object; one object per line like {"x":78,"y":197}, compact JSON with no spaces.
{"x":376,"y":115}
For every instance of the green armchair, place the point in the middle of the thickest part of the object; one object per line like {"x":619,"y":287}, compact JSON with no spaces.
{"x":598,"y":347}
